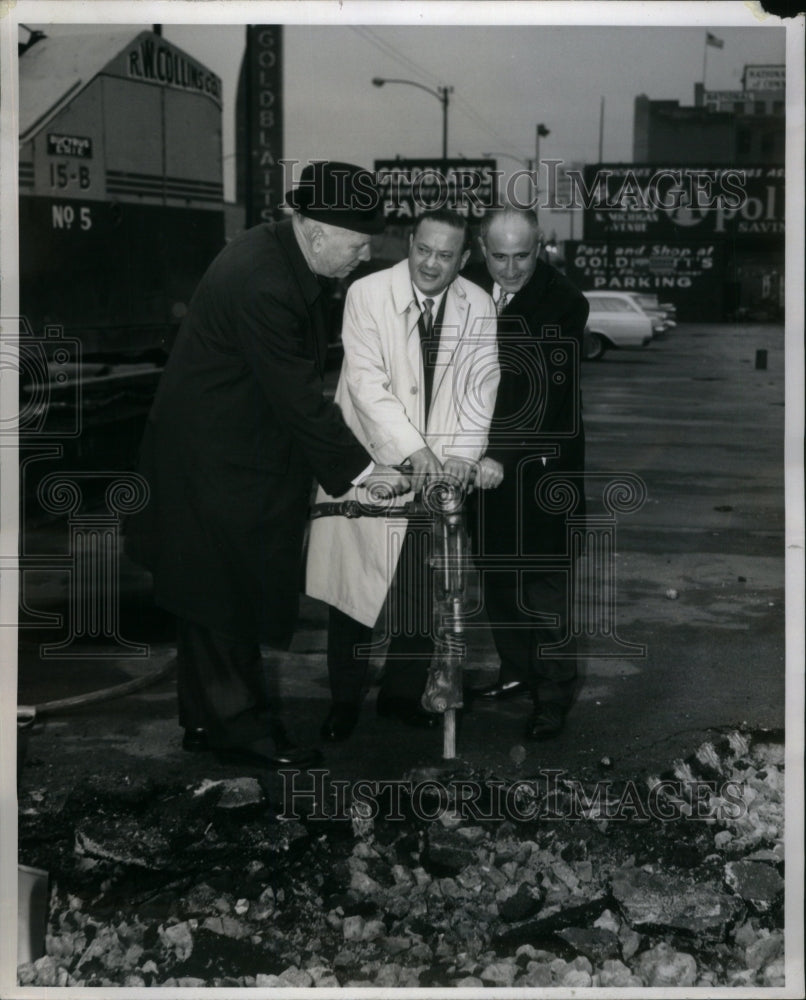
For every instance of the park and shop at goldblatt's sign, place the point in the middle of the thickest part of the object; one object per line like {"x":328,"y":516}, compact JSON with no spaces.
{"x":688,"y":274}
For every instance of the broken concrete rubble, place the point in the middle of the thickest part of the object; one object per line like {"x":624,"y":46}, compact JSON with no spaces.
{"x":664,"y":966}
{"x":499,"y":974}
{"x":764,"y":950}
{"x":756,"y":882}
{"x":660,"y":899}
{"x":520,"y":904}
{"x":595,"y":943}
{"x":615,"y":973}
{"x":430,"y":904}
{"x":240,"y":793}
{"x":577,"y":910}
{"x":449,"y":851}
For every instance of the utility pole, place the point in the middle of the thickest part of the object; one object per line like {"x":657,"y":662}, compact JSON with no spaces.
{"x":442,"y":94}
{"x":540,"y":130}
{"x":601,"y":128}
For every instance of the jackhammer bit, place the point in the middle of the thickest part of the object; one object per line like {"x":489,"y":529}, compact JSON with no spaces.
{"x":443,"y":690}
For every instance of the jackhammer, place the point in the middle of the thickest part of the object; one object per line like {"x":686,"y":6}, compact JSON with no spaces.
{"x":443,"y":503}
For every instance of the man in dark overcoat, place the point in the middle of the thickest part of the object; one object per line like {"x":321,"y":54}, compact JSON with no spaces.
{"x":238,"y":430}
{"x":536,"y":431}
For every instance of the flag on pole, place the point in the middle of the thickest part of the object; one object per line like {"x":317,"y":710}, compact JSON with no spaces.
{"x":718,"y":43}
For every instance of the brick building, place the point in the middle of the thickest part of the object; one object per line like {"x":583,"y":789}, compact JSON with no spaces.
{"x":715,"y":257}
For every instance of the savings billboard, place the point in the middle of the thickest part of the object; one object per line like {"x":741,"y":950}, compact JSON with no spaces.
{"x":683,"y":203}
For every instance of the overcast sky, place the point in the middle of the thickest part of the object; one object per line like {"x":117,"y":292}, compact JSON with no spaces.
{"x":505,"y":80}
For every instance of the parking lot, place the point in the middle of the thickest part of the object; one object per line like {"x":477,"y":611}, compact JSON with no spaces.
{"x":699,"y":573}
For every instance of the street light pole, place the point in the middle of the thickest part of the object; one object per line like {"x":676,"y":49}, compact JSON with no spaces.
{"x":441,"y":94}
{"x":444,"y":91}
{"x":540,"y":130}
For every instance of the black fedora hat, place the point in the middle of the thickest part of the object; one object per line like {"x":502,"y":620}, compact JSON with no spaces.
{"x":340,"y":194}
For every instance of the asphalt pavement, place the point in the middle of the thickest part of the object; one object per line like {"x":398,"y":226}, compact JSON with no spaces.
{"x":698,"y":575}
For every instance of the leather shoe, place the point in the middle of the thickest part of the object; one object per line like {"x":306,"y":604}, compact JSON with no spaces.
{"x":268,"y":753}
{"x":406,"y":710}
{"x":286,"y":750}
{"x":499,"y":691}
{"x":299,"y":756}
{"x":340,"y":722}
{"x":195,"y":740}
{"x":546,"y":722}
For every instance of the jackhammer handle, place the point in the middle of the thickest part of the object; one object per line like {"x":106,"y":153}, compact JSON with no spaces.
{"x":406,"y":469}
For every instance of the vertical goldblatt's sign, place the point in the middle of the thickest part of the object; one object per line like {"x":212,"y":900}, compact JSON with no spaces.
{"x":263,"y":93}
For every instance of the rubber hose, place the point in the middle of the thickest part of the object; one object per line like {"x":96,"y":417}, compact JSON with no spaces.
{"x":103,"y":694}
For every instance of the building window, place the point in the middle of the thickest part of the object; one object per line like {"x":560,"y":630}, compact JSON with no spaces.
{"x":744,"y":140}
{"x":768,"y":142}
{"x":777,"y":107}
{"x":759,"y":107}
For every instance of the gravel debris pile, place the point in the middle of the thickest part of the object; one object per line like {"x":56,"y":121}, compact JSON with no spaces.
{"x":674,"y":880}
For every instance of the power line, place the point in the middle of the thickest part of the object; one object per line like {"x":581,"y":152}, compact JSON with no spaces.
{"x":393,"y":53}
{"x":461,"y":105}
{"x":466,"y":108}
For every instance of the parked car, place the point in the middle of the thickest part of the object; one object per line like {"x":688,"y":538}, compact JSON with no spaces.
{"x":651,"y":299}
{"x":662,"y":314}
{"x":615,"y":321}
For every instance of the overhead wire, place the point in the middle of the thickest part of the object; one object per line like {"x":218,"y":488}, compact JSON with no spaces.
{"x":462,"y":105}
{"x":394,"y":53}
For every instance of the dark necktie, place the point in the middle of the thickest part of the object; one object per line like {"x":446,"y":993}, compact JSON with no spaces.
{"x":428,"y":344}
{"x":501,"y":301}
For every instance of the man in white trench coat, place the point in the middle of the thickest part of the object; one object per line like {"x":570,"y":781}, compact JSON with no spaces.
{"x":418,"y":386}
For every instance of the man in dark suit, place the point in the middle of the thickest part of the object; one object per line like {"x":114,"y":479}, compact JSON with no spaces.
{"x":536,"y":430}
{"x":238,"y":429}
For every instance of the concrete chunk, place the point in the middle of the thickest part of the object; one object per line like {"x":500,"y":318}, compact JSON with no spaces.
{"x":449,"y":850}
{"x":756,"y":882}
{"x":595,"y":943}
{"x":662,"y":900}
{"x":663,"y":966}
